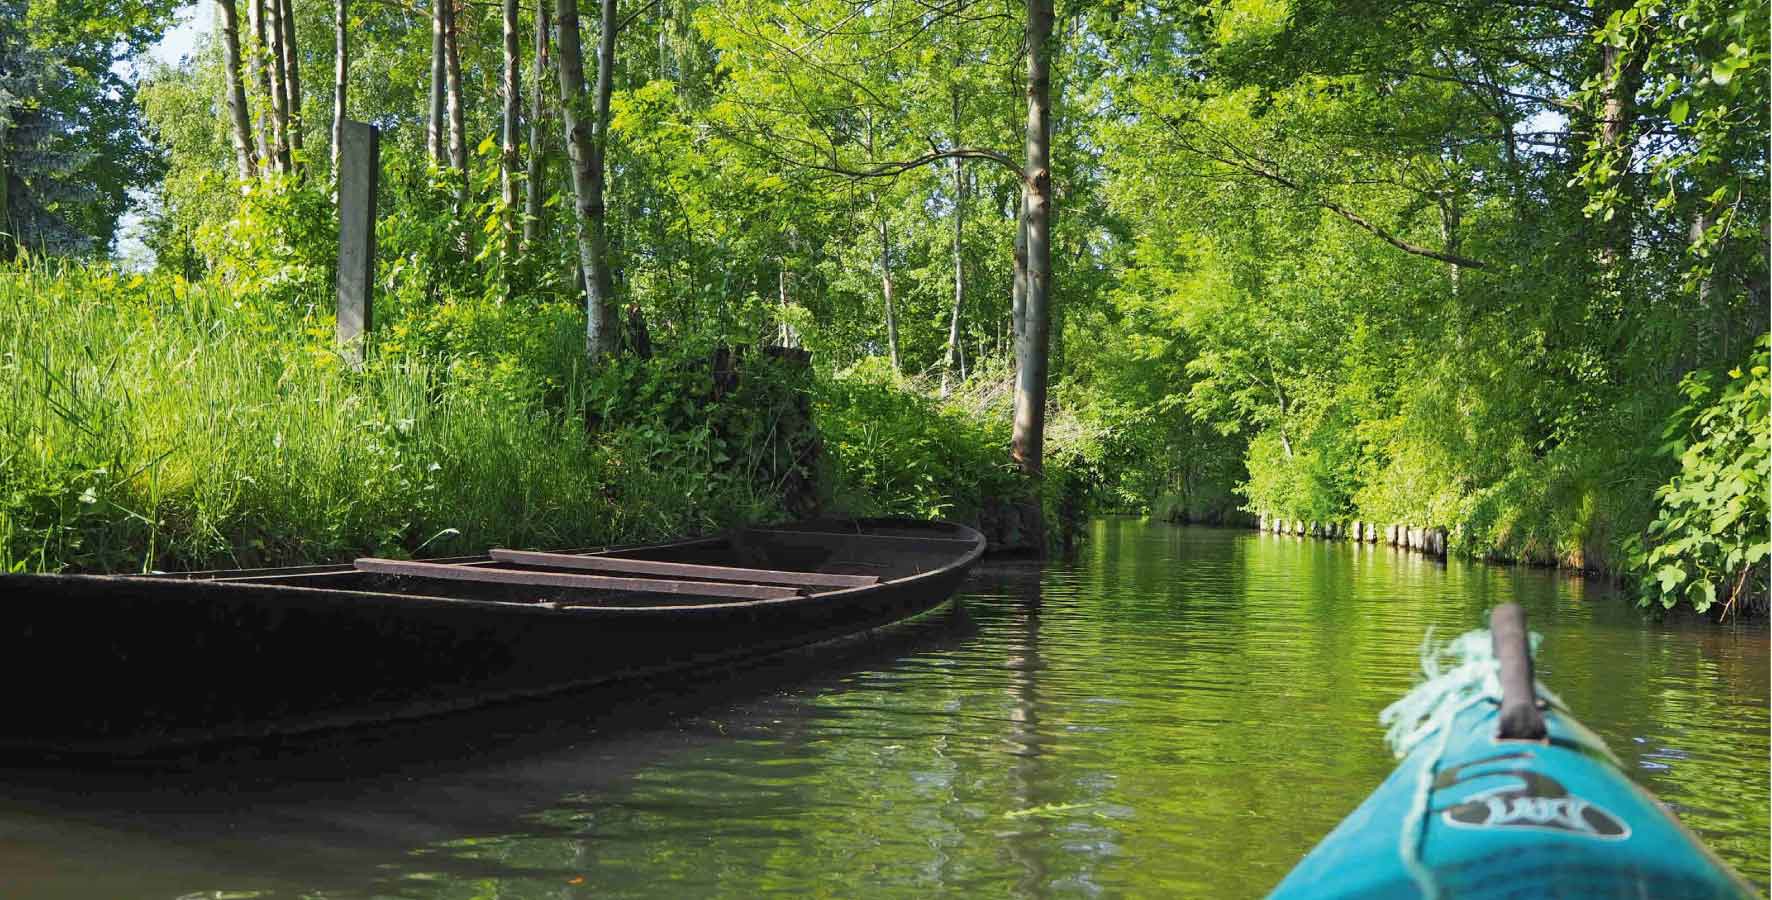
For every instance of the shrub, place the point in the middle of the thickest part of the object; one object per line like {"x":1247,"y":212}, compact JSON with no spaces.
{"x":894,"y":450}
{"x":1708,"y":543}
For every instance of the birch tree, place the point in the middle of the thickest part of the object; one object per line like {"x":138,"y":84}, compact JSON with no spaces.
{"x":507,"y":158}
{"x":240,"y":126}
{"x":456,"y":101}
{"x":951,"y":368}
{"x":261,"y":79}
{"x":341,"y":70}
{"x":584,"y":141}
{"x":436,"y":130}
{"x":277,"y":64}
{"x":291,"y":51}
{"x":534,"y":188}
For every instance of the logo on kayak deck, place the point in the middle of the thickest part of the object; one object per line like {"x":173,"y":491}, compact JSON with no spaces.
{"x":1538,"y":801}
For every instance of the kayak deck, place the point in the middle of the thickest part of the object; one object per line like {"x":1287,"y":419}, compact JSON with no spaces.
{"x":1471,"y":814}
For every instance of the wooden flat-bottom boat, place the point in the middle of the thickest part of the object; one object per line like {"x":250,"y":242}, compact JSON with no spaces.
{"x":132,"y":664}
{"x":1501,"y":793}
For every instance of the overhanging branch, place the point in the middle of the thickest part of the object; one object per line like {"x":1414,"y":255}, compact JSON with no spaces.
{"x":889,"y":169}
{"x":1261,"y":170}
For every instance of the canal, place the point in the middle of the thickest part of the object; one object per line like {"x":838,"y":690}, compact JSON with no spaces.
{"x":1179,"y":711}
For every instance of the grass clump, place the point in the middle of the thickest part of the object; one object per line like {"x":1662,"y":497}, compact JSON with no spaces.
{"x":147,"y":423}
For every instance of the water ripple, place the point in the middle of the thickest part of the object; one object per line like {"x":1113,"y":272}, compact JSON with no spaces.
{"x":1180,"y":712}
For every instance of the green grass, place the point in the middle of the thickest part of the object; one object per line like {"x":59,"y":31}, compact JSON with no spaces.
{"x":148,"y":424}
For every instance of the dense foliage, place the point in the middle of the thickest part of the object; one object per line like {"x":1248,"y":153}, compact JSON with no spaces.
{"x":71,"y":140}
{"x":1448,"y":264}
{"x":151,"y":423}
{"x":1708,"y":543}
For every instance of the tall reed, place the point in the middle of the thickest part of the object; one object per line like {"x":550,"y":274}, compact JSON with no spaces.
{"x":150,"y":423}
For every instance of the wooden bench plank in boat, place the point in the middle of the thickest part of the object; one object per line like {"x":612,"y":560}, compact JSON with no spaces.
{"x":689,"y":570}
{"x":564,"y":580}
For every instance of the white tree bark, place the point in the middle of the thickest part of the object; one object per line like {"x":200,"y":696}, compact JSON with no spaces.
{"x":534,"y":195}
{"x":507,"y":169}
{"x":238,"y":120}
{"x":458,"y":129}
{"x":292,"y":80}
{"x":951,"y":369}
{"x":435,"y":129}
{"x":261,"y":79}
{"x":587,"y":186}
{"x":886,"y":292}
{"x":274,"y":37}
{"x":341,"y":70}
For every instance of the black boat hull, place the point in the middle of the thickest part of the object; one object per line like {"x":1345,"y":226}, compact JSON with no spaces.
{"x":122,"y":665}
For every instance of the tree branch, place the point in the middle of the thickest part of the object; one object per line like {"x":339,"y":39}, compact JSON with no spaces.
{"x":890,"y":169}
{"x":1463,"y":262}
{"x":1262,"y":171}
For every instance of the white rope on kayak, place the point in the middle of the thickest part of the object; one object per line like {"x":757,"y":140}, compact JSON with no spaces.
{"x":1428,"y":711}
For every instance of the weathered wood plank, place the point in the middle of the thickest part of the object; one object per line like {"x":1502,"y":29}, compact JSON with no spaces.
{"x":565,"y":580}
{"x":688,"y":570}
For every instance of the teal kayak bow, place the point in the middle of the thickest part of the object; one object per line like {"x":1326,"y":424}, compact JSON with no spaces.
{"x":1501,"y":793}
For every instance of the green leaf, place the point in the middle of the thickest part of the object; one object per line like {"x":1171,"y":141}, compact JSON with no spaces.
{"x":1709,"y":592}
{"x":1669,"y":577}
{"x":1679,"y":111}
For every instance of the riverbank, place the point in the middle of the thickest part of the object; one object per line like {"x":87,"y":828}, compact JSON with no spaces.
{"x":1431,"y":541}
{"x":150,"y":423}
{"x":1436,"y":542}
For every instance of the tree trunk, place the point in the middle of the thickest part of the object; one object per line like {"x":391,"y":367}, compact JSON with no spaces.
{"x":8,"y":241}
{"x":660,"y":19}
{"x":1621,"y":76}
{"x":261,"y":77}
{"x":789,"y":336}
{"x":586,"y":179}
{"x":458,"y":129}
{"x":952,"y":368}
{"x":886,"y":292}
{"x":434,"y":127}
{"x":1027,"y":442}
{"x":601,"y":275}
{"x":508,"y":152}
{"x":1450,"y":237}
{"x":292,"y":81}
{"x":1019,"y":287}
{"x":533,"y":183}
{"x":341,"y":71}
{"x":239,"y":121}
{"x":279,"y":96}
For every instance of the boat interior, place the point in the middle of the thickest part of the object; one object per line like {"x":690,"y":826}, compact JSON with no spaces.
{"x":756,"y":563}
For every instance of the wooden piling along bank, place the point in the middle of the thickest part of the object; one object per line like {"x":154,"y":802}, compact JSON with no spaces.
{"x":1431,"y":541}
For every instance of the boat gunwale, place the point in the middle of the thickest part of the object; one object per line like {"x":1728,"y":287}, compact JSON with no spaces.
{"x":587,"y":610}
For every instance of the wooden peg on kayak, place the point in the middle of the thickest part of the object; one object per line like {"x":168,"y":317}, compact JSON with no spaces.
{"x":1519,"y":718}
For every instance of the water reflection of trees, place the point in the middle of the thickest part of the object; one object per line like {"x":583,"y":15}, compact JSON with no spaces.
{"x":1184,"y":712}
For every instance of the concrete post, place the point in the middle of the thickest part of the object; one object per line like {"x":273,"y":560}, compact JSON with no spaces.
{"x":359,"y":169}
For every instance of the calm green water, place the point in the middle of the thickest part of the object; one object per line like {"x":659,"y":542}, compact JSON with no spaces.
{"x":1180,"y":712}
